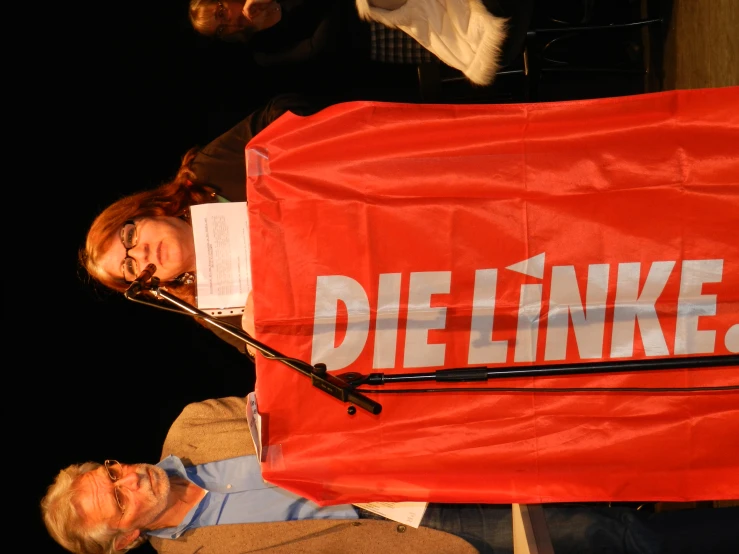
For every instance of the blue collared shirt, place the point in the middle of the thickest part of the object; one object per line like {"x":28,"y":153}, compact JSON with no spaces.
{"x":236,"y":493}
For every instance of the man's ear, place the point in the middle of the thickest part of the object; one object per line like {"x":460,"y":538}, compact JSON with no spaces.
{"x":122,"y":541}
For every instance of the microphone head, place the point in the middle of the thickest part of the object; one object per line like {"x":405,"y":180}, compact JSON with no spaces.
{"x":139,"y":283}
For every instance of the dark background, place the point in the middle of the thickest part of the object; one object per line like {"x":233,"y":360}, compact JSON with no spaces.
{"x":117,"y":94}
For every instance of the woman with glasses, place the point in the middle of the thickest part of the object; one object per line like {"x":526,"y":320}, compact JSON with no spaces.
{"x":152,"y":226}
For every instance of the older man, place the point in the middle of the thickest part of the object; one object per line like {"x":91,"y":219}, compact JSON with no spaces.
{"x":206,"y":495}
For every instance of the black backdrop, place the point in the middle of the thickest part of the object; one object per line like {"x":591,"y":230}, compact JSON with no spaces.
{"x":106,"y":103}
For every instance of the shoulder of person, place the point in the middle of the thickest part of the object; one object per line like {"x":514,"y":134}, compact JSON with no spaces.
{"x":214,"y":429}
{"x":214,"y":409}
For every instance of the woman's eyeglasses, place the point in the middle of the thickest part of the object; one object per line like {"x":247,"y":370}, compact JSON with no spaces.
{"x":115,"y":472}
{"x":129,"y":238}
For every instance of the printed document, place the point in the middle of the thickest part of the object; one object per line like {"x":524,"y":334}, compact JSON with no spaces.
{"x":222,"y":257}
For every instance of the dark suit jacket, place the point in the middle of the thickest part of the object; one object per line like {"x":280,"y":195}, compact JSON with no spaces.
{"x":222,"y":164}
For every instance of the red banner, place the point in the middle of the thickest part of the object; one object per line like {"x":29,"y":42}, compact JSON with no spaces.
{"x":400,"y":238}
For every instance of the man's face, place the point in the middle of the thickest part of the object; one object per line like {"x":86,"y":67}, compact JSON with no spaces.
{"x":142,"y":491}
{"x":227,"y":19}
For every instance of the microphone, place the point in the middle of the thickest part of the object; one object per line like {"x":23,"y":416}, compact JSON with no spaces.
{"x":142,"y":279}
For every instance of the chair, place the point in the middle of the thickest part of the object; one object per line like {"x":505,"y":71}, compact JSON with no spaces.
{"x":550,"y":51}
{"x":591,"y":49}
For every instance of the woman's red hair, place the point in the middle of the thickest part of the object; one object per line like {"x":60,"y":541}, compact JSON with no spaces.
{"x":170,"y":199}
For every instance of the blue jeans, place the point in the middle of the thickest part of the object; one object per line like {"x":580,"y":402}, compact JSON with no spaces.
{"x":592,"y":529}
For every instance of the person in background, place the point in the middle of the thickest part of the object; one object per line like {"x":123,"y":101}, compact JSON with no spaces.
{"x":281,"y":32}
{"x":207,"y":495}
{"x":475,"y":36}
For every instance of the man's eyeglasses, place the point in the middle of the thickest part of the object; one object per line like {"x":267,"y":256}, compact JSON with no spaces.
{"x":129,"y":238}
{"x":115,"y":472}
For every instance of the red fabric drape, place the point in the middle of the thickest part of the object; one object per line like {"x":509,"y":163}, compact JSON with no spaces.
{"x":401,"y":238}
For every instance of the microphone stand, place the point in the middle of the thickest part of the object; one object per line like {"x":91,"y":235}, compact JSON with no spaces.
{"x":342,"y":386}
{"x":472,"y":374}
{"x":146,"y":286}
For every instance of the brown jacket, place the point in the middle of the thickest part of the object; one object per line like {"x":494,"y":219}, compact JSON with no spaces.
{"x":218,"y":429}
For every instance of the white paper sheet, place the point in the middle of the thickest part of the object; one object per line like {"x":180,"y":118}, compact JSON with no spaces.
{"x":222,"y":257}
{"x":408,"y":513}
{"x":255,"y":423}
